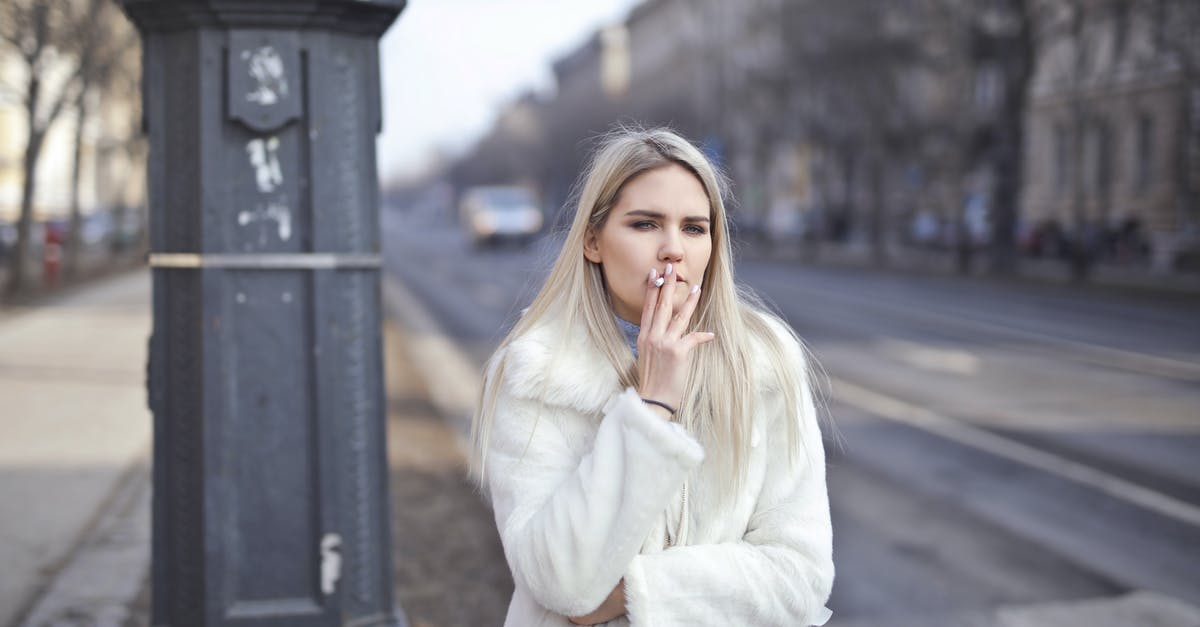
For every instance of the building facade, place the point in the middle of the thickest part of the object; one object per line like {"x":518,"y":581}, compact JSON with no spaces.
{"x":1112,"y":145}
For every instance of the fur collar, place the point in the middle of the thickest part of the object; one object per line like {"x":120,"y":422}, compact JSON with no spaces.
{"x":578,"y":376}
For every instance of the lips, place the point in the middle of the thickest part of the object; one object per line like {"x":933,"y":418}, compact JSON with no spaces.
{"x":679,"y":278}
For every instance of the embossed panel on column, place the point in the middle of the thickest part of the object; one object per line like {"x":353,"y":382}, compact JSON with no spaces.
{"x":268,"y":513}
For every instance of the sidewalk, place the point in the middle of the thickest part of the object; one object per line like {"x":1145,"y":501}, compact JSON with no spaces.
{"x":76,"y":428}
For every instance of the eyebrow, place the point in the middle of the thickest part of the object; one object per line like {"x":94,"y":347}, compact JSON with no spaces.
{"x":660,"y":216}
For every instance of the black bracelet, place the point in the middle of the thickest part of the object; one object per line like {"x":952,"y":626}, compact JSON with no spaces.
{"x":660,"y":404}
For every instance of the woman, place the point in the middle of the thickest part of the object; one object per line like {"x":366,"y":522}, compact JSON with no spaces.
{"x":647,"y":433}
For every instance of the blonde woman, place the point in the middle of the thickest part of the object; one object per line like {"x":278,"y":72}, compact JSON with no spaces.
{"x":647,"y":433}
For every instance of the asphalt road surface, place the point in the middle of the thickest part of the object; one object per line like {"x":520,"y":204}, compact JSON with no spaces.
{"x":994,"y":448}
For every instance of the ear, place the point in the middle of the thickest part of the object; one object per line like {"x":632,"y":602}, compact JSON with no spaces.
{"x":591,"y":246}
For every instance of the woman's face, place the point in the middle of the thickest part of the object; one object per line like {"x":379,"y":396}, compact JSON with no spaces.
{"x":662,"y":216}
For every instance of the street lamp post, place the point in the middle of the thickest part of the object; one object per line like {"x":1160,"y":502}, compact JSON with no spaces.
{"x":265,"y":373}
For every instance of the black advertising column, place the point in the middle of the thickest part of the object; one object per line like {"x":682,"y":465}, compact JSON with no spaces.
{"x":266,"y":373}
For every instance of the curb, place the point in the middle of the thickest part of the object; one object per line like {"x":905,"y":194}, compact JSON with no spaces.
{"x":101,"y":576}
{"x":457,"y":384}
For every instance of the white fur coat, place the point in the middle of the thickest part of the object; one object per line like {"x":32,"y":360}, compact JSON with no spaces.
{"x":586,"y":485}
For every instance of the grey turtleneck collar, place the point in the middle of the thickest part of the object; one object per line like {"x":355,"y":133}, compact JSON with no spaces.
{"x":630,"y":330}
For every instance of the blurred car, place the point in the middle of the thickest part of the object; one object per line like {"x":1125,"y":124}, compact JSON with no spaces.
{"x":500,"y":212}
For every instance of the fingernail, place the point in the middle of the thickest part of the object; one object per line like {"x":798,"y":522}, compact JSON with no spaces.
{"x":653,"y":273}
{"x":695,"y":288}
{"x":668,"y":270}
{"x":659,"y":281}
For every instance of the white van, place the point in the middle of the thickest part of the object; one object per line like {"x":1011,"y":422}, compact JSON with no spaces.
{"x":498,"y":212}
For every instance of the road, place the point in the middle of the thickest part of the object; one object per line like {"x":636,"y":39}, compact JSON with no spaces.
{"x":995,"y":449}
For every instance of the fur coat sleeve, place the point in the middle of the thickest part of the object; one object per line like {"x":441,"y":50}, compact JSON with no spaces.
{"x":571,"y":526}
{"x":779,"y":573}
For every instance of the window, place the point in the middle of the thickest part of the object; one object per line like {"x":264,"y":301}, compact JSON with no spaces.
{"x":1145,"y":152}
{"x":1120,"y":29}
{"x":1062,"y":175}
{"x":987,"y":87}
{"x":1159,"y":26}
{"x":1102,"y":136}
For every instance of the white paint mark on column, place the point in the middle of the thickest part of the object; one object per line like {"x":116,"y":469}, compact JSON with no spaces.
{"x":287,"y":297}
{"x":266,"y":68}
{"x":241,"y":298}
{"x":275,"y":210}
{"x":280,"y":212}
{"x":264,"y":156}
{"x":331,"y":562}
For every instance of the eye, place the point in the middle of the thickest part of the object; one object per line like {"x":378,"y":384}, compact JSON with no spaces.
{"x":695,"y":229}
{"x":643,"y":225}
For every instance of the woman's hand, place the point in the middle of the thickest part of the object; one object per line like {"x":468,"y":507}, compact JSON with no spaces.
{"x":663,"y":349}
{"x":611,"y":608}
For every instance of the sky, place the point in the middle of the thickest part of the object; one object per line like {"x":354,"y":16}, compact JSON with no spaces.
{"x":449,"y":66}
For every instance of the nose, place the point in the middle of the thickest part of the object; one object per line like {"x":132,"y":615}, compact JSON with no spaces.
{"x":671,"y":248}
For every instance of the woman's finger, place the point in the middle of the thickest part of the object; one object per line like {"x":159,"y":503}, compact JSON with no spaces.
{"x":683,"y":317}
{"x":662,"y":311}
{"x":651,"y":300}
{"x":696,"y":338}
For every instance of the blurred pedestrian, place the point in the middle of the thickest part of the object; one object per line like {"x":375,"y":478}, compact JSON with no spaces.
{"x":52,"y":254}
{"x":647,"y":431}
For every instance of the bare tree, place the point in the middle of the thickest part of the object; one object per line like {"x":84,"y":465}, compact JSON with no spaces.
{"x":104,"y":42}
{"x":42,"y":33}
{"x":996,"y":42}
{"x":1081,"y":257}
{"x":850,"y":65}
{"x":1010,"y":39}
{"x":1177,"y":24}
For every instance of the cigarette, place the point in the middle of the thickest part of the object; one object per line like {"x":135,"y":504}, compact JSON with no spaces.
{"x":659,"y":282}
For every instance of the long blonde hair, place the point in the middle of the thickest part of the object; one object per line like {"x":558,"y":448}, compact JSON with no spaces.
{"x":720,"y":395}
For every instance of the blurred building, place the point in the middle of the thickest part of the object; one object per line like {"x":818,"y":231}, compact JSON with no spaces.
{"x":1114,"y":125}
{"x":670,"y":64}
{"x":802,"y":135}
{"x":576,"y":111}
{"x":915,"y":122}
{"x":647,"y":68}
{"x":658,"y":66}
